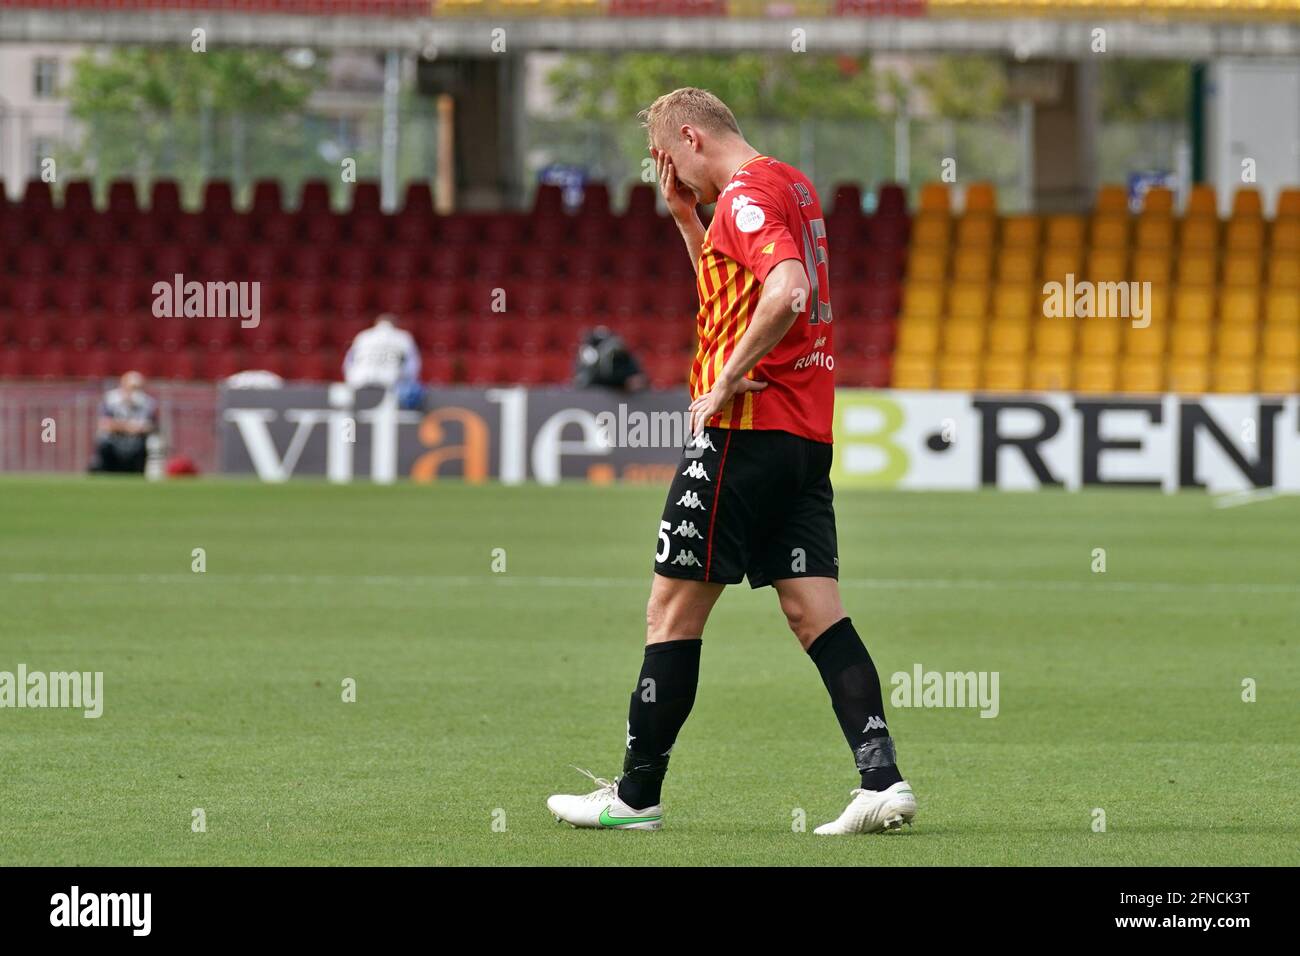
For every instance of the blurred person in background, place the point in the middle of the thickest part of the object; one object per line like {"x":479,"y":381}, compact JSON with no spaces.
{"x":384,"y":356}
{"x":127,"y":417}
{"x":604,"y":361}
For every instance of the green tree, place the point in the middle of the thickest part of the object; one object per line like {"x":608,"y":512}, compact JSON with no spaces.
{"x":155,"y":111}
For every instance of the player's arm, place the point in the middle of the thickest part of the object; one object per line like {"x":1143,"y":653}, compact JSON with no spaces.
{"x":681,"y":205}
{"x":783,"y":299}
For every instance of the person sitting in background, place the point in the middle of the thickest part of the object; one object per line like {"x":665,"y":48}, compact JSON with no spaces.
{"x":384,"y":356}
{"x":604,"y":361}
{"x":127,"y":417}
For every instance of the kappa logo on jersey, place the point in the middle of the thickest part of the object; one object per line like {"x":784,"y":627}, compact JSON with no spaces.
{"x":739,"y":203}
{"x":734,"y":184}
{"x":702,"y":440}
{"x":874,"y":723}
{"x":687,"y":529}
{"x":695,"y":470}
{"x":691,"y":500}
{"x":686,"y":559}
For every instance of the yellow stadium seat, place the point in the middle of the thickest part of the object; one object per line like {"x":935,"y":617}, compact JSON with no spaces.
{"x":1198,"y":234}
{"x":1065,"y":232}
{"x":1187,"y":376}
{"x":922,"y":300}
{"x":1109,"y":232}
{"x":960,"y":372}
{"x":1237,"y":341}
{"x":1097,"y":375}
{"x":1141,"y":375}
{"x":1194,"y":304}
{"x":1154,"y":232}
{"x":981,"y":197}
{"x":1282,"y":305}
{"x":1284,"y":270}
{"x":972,"y":264}
{"x":935,"y":197}
{"x":1152,"y":265}
{"x":1009,"y":336}
{"x":968,"y":300}
{"x":1286,"y":235}
{"x":1197,"y":268}
{"x":1279,"y":377}
{"x":1288,"y":203}
{"x":931,"y":229}
{"x":1060,"y":262}
{"x":1246,"y":204}
{"x":977,"y":230}
{"x":1112,"y":198}
{"x":1049,"y":373}
{"x":1159,"y":305}
{"x":1191,"y":339}
{"x":1242,"y":268}
{"x":1020,"y":231}
{"x":1244,"y":235}
{"x":1107,"y":265}
{"x":1004,"y":373}
{"x":1146,"y":342}
{"x":1239,"y":305}
{"x":1158,"y":201}
{"x":913,"y":371}
{"x":1202,"y":201}
{"x":1054,"y":336}
{"x":1280,"y":341}
{"x":1234,"y":375}
{"x":919,"y":335}
{"x":927,"y":264}
{"x":1017,"y":300}
{"x":963,"y":336}
{"x":1100,"y":338}
{"x":1018,"y":265}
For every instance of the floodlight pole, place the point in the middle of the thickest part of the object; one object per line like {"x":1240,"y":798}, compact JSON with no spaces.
{"x":389,"y":139}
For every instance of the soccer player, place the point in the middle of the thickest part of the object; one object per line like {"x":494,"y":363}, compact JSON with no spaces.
{"x":752,"y":497}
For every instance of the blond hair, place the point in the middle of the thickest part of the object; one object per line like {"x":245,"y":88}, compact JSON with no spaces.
{"x":688,"y":106}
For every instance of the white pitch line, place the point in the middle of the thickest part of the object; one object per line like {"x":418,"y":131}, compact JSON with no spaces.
{"x":583,"y":583}
{"x":1238,"y":498}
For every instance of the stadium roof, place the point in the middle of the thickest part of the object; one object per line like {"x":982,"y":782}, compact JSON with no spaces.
{"x":1060,"y":29}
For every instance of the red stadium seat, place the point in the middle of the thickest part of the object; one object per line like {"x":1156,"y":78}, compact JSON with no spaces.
{"x":170,"y":335}
{"x":437,"y":369}
{"x":641,"y":202}
{"x":266,"y":197}
{"x":365,"y":197}
{"x":418,"y":201}
{"x":891,"y":200}
{"x":486,"y":336}
{"x":441,"y":336}
{"x":165,"y":198}
{"x":178,"y":366}
{"x":485,"y":369}
{"x":315,"y":197}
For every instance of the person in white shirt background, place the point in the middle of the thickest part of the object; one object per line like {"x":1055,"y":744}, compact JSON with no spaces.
{"x":385,"y":356}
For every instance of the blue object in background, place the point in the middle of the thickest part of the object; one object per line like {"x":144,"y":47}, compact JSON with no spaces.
{"x":572,"y":180}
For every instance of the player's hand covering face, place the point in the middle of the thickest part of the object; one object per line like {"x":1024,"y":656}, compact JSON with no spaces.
{"x":679,"y":197}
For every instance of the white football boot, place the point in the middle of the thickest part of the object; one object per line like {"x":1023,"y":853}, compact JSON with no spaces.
{"x":874,"y":811}
{"x":602,"y":809}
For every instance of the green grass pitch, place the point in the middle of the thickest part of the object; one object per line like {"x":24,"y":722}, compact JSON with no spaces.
{"x":476,"y":690}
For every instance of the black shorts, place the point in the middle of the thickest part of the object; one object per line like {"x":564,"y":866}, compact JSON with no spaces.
{"x":750,"y":503}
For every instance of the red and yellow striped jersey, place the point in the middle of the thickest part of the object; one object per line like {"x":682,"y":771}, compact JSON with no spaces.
{"x":768,"y":213}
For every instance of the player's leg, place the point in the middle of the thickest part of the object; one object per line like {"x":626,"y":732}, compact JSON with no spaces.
{"x":697,"y":555}
{"x":665,"y":690}
{"x":813,"y":609}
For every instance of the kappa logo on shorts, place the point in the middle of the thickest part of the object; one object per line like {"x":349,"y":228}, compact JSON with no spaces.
{"x":686,"y":559}
{"x":874,"y":723}
{"x":691,"y":500}
{"x":695,"y":470}
{"x":702,"y":440}
{"x":687,"y":529}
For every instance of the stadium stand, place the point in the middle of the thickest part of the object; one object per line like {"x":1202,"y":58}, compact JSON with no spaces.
{"x":945,"y":299}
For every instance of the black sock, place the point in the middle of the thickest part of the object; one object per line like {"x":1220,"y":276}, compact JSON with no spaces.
{"x":664,"y":695}
{"x":854,"y":686}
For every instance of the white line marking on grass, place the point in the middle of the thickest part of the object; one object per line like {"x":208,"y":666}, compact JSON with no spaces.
{"x":515,"y":580}
{"x":1236,"y":498}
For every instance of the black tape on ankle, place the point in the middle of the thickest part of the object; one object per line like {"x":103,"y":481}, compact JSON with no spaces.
{"x":874,"y":754}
